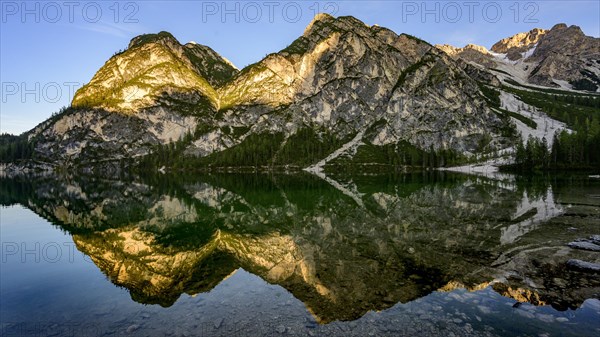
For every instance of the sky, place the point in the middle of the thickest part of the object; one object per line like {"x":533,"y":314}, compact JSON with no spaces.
{"x":48,"y":49}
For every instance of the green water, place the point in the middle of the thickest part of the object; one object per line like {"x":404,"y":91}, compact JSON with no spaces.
{"x":269,"y":255}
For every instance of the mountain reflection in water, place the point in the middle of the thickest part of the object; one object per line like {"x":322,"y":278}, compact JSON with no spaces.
{"x":409,"y":236}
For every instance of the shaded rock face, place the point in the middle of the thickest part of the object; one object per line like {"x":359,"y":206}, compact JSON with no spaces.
{"x":91,"y":136}
{"x":339,"y":257}
{"x":341,"y":77}
{"x":566,"y":53}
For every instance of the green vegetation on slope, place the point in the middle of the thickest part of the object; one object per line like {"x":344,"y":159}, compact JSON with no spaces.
{"x":304,"y":148}
{"x":14,"y":148}
{"x":307,"y":146}
{"x":401,"y":154}
{"x":493,"y":98}
{"x":215,"y":70}
{"x":411,"y":69}
{"x":254,"y":151}
{"x":547,"y":90}
{"x":577,"y":150}
{"x":527,"y":121}
{"x":572,"y":109}
{"x":299,"y":46}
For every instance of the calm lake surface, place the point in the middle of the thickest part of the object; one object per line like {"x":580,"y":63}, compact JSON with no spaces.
{"x":296,"y":255}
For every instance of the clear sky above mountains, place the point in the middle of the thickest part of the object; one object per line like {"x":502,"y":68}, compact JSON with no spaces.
{"x":49,"y":49}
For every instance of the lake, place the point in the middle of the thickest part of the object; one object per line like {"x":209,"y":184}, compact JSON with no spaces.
{"x":430,"y":253}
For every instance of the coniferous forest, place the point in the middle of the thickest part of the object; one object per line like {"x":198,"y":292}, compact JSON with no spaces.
{"x":578,"y":148}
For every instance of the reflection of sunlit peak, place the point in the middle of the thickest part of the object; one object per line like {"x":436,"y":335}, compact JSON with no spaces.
{"x":279,"y":255}
{"x":519,"y":294}
{"x":454,"y":285}
{"x":230,"y":275}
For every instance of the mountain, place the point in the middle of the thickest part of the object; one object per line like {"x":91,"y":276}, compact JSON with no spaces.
{"x":343,"y":94}
{"x":151,"y":66}
{"x":154,"y":92}
{"x":341,"y":86}
{"x":562,"y":57}
{"x":548,"y":82}
{"x":566,"y":54}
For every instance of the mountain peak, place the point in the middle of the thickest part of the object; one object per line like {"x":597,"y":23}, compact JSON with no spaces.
{"x":559,"y":26}
{"x":452,"y":51}
{"x":470,"y":52}
{"x":161,"y":37}
{"x":564,"y":29}
{"x":152,"y":65}
{"x":323,"y":23}
{"x":320,"y":18}
{"x":519,"y":41}
{"x":477,"y":47}
{"x":568,"y":30}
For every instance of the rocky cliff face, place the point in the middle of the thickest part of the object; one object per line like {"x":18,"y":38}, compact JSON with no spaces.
{"x":567,"y":54}
{"x":345,"y":76}
{"x":340,"y":79}
{"x":91,"y":136}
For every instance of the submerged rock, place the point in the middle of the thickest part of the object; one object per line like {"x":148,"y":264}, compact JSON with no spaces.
{"x":132,"y":328}
{"x":583,"y":265}
{"x":585,"y":245}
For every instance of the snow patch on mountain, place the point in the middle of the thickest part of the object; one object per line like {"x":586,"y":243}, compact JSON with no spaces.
{"x":529,"y":52}
{"x":546,"y":126}
{"x":348,"y":148}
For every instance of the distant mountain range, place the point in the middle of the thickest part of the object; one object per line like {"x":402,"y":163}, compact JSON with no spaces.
{"x":562,"y":57}
{"x":344,"y":93}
